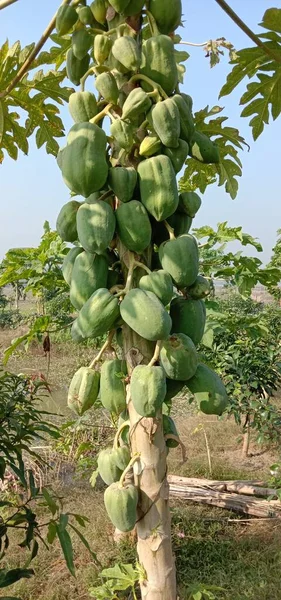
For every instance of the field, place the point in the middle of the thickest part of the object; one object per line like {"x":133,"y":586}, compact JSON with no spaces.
{"x":212,"y":546}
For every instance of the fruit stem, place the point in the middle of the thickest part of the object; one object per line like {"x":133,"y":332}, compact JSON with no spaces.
{"x":154,"y":85}
{"x":128,"y":468}
{"x":171,"y":436}
{"x":119,"y":431}
{"x":170,"y":230}
{"x":103,"y":113}
{"x":142,"y":266}
{"x":128,"y":285}
{"x":107,"y":344}
{"x":156,"y":354}
{"x":83,"y":79}
{"x":152,"y":23}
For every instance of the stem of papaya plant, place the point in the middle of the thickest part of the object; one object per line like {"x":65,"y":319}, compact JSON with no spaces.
{"x":155,"y":94}
{"x":156,"y":354}
{"x":183,"y":43}
{"x":171,"y":436}
{"x":154,"y":85}
{"x":105,"y":112}
{"x":106,"y":345}
{"x":142,"y":266}
{"x":5,"y":3}
{"x":128,"y":285}
{"x":83,"y":79}
{"x":170,"y":230}
{"x":119,"y":431}
{"x":128,"y":468}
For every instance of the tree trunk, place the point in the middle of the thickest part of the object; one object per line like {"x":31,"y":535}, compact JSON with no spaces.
{"x":246,"y":439}
{"x":16,"y":296}
{"x":154,"y":523}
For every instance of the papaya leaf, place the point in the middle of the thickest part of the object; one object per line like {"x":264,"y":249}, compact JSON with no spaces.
{"x":198,"y":175}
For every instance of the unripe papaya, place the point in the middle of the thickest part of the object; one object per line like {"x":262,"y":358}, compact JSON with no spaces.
{"x":75,"y":68}
{"x":107,"y":466}
{"x":66,"y":221}
{"x":112,"y":385}
{"x":148,"y":389}
{"x":167,"y":14}
{"x":136,"y":103}
{"x":81,"y":42}
{"x":76,"y":333}
{"x":133,"y":8}
{"x":188,"y":100}
{"x":119,"y":5}
{"x":86,"y":16}
{"x":107,"y":87}
{"x":113,"y":278}
{"x":68,"y":263}
{"x":82,"y":106}
{"x":209,"y":391}
{"x":187,"y":126}
{"x":159,"y":63}
{"x":88,"y":275}
{"x":123,"y":132}
{"x":200,"y":288}
{"x":83,"y":160}
{"x":180,"y":223}
{"x":169,"y":428}
{"x":102,"y":47}
{"x":125,"y":50}
{"x":203,"y":149}
{"x":150,"y":145}
{"x":189,"y":203}
{"x":122,"y":457}
{"x":95,"y":196}
{"x":158,"y":186}
{"x":98,"y":8}
{"x":178,"y":357}
{"x":65,"y":19}
{"x":145,"y":314}
{"x":160,"y":283}
{"x":98,"y":315}
{"x":83,"y":390}
{"x":133,"y":226}
{"x":173,"y":389}
{"x":189,"y":317}
{"x":121,"y":505}
{"x":122,"y":180}
{"x":95,"y":226}
{"x":125,"y":433}
{"x":165,"y":120}
{"x":181,"y":259}
{"x":177,"y":155}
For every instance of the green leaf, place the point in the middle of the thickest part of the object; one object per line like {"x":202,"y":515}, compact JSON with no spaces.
{"x":85,"y":542}
{"x":52,"y":505}
{"x":66,"y":546}
{"x":52,"y":532}
{"x":8,"y":577}
{"x":272,"y":19}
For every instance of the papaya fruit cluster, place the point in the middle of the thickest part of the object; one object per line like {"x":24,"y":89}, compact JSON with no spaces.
{"x":133,"y":261}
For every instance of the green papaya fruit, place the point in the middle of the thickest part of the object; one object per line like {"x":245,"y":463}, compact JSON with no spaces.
{"x":95,"y":226}
{"x":136,"y":103}
{"x":189,"y":203}
{"x":113,"y":386}
{"x":123,"y":132}
{"x":133,"y":8}
{"x":122,"y":180}
{"x":88,"y":275}
{"x":181,"y":259}
{"x":133,"y":226}
{"x":82,"y":106}
{"x":200,"y":288}
{"x":75,"y":68}
{"x":148,"y":389}
{"x":102,"y":48}
{"x":98,"y":315}
{"x":86,"y":16}
{"x":187,"y":127}
{"x":107,"y":466}
{"x":178,"y":357}
{"x":99,"y":9}
{"x":125,"y":433}
{"x":76,"y":332}
{"x":122,"y":457}
{"x":125,"y":49}
{"x":180,"y":223}
{"x":83,"y":160}
{"x":188,"y":100}
{"x":65,"y":19}
{"x":203,"y":149}
{"x":119,"y":5}
{"x":167,"y":14}
{"x":159,"y":63}
{"x":169,"y":428}
{"x":165,"y":120}
{"x":189,"y":317}
{"x":107,"y":87}
{"x":158,"y":186}
{"x":150,"y":145}
{"x":160,"y":283}
{"x":145,"y":314}
{"x":209,"y":391}
{"x":83,"y":390}
{"x":81,"y":42}
{"x":95,"y":196}
{"x":66,"y":221}
{"x":177,"y":155}
{"x":173,"y":389}
{"x":68,"y":263}
{"x":112,"y":278}
{"x":121,"y":505}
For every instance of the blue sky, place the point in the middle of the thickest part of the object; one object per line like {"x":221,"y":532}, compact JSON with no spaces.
{"x":32,"y":189}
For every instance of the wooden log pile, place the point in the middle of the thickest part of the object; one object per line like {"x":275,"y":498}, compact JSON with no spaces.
{"x":246,"y":497}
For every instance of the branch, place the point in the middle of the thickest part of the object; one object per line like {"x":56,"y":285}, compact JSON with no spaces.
{"x":33,"y":54}
{"x":5,"y":3}
{"x":247,"y":30}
